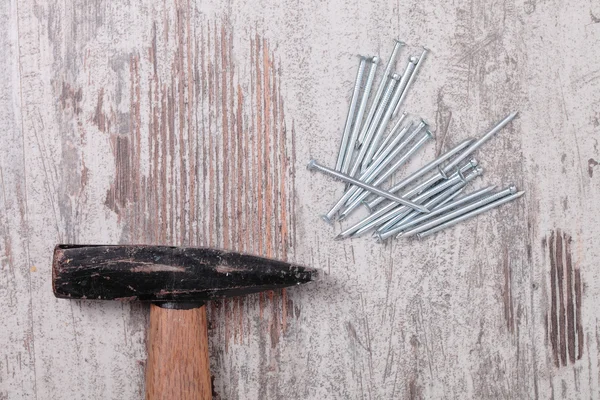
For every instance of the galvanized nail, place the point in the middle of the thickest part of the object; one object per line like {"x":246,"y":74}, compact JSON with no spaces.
{"x":351,"y":114}
{"x":359,"y":114}
{"x":460,"y":211}
{"x":391,"y":228}
{"x":388,"y":70}
{"x":371,"y":131}
{"x":399,"y":163}
{"x":471,"y":214}
{"x":314,"y":165}
{"x":404,"y":225}
{"x":449,"y":167}
{"x":394,"y":130}
{"x":421,"y":171}
{"x":376,"y":163}
{"x":387,"y":116}
{"x":479,"y":142}
{"x":411,"y":79}
{"x":392,"y":210}
{"x":433,"y":204}
{"x":367,"y":176}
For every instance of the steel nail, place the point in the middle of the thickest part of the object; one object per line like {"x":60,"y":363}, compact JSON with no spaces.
{"x":440,"y":175}
{"x":314,"y":165}
{"x":392,"y":210}
{"x":359,"y":115}
{"x":351,"y":114}
{"x":479,"y":142}
{"x":376,"y":163}
{"x":422,"y":171}
{"x":374,"y":123}
{"x":411,"y":79}
{"x":470,"y":214}
{"x":391,"y":227}
{"x":386,"y":157}
{"x":394,"y":130}
{"x":388,"y":70}
{"x":460,"y":211}
{"x":387,"y":116}
{"x":404,"y":225}
{"x":433,"y":204}
{"x":399,"y":163}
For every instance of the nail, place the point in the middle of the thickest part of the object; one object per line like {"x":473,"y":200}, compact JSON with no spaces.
{"x":470,"y":215}
{"x":460,"y":211}
{"x":394,"y":130}
{"x":359,"y":115}
{"x":388,"y":70}
{"x":375,"y":218}
{"x":472,"y":147}
{"x":376,"y":165}
{"x":463,"y":200}
{"x":391,"y":227}
{"x":433,"y":204}
{"x":422,"y":171}
{"x":366,"y":177}
{"x":371,"y":131}
{"x":479,"y":142}
{"x":411,"y":79}
{"x":387,"y":116}
{"x":314,"y":165}
{"x":402,"y":160}
{"x":392,"y":210}
{"x":351,"y":113}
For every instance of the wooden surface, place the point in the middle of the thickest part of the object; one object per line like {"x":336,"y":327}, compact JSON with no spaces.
{"x":178,"y":366}
{"x":181,"y":122}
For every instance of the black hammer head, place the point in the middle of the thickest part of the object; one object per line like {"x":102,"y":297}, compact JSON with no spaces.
{"x":163,"y":274}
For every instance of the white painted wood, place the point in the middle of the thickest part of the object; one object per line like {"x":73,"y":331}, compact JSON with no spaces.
{"x":190,"y":123}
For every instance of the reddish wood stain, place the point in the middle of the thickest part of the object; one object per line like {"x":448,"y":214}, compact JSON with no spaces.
{"x":219,"y":171}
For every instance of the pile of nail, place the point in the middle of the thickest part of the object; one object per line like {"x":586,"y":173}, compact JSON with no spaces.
{"x":377,"y":141}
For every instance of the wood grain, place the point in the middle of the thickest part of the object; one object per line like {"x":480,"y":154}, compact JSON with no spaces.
{"x":191,"y":122}
{"x":178,"y":366}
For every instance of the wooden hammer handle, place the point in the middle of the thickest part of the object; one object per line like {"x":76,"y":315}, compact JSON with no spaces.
{"x":178,"y":366}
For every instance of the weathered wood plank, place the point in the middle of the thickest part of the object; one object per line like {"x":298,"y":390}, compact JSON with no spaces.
{"x":190,"y":123}
{"x":18,"y":374}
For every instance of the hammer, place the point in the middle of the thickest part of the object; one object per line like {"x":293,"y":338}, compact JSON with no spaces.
{"x":177,"y":281}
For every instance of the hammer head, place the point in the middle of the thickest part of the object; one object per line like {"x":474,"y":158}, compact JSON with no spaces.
{"x":163,"y":274}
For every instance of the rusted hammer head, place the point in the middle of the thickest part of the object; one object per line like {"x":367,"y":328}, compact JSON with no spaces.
{"x":171,"y":276}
